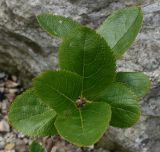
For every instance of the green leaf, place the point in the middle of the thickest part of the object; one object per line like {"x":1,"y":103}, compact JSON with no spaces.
{"x":58,"y":89}
{"x":86,"y":125}
{"x":31,"y":116}
{"x":121,"y":29}
{"x":87,"y":54}
{"x":35,"y":147}
{"x":137,"y":81}
{"x":57,"y":25}
{"x":124,"y":105}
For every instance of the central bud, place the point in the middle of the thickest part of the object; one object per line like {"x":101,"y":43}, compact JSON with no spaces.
{"x":81,"y":101}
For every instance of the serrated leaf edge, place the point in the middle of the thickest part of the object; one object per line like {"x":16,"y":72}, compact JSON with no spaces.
{"x":66,"y":18}
{"x":80,"y":145}
{"x":148,"y":86}
{"x":19,"y":129}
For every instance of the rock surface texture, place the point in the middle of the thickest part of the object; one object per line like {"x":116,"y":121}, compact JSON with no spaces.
{"x":26,"y":50}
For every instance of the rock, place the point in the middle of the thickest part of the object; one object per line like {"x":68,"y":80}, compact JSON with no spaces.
{"x":20,"y":135}
{"x":2,"y":143}
{"x":10,"y":151}
{"x":1,"y":89}
{"x":9,"y":146}
{"x":4,"y":127}
{"x":2,"y":75}
{"x":20,"y":146}
{"x":14,"y":78}
{"x":2,"y":84}
{"x":10,"y":137}
{"x":4,"y":106}
{"x":26,"y":51}
{"x":12,"y":91}
{"x":143,"y":56}
{"x":11,"y":84}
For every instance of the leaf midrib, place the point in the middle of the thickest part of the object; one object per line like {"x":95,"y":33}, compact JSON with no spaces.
{"x":60,"y":93}
{"x":84,"y":43}
{"x":79,"y":110}
{"x":127,"y":30}
{"x":81,"y":119}
{"x":123,"y":110}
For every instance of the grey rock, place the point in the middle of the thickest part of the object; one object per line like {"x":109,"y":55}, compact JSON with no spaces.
{"x":2,"y":75}
{"x":26,"y":51}
{"x":144,"y":55}
{"x":2,"y":143}
{"x":10,"y":137}
{"x":21,"y":146}
{"x":24,"y":48}
{"x":4,"y":127}
{"x":10,"y":151}
{"x":9,"y":147}
{"x":4,"y":106}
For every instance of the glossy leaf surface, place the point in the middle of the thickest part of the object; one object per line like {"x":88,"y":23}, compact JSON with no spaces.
{"x":124,"y":105}
{"x":59,"y":89}
{"x":121,"y":28}
{"x":87,"y":54}
{"x":57,"y":25}
{"x":85,"y":96}
{"x":86,"y":125}
{"x":31,"y":116}
{"x":137,"y":81}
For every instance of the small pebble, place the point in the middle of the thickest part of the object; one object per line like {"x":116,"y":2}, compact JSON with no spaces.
{"x":20,"y":135}
{"x":10,"y":139}
{"x":2,"y":84}
{"x":14,"y":78}
{"x":10,"y":96}
{"x":9,"y":146}
{"x":11,"y":84}
{"x":20,"y":146}
{"x":2,"y":75}
{"x":4,"y":106}
{"x":1,"y":89}
{"x":2,"y":145}
{"x":12,"y":91}
{"x":10,"y":150}
{"x":4,"y":127}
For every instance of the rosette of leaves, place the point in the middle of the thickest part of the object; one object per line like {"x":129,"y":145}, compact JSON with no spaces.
{"x":82,"y":99}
